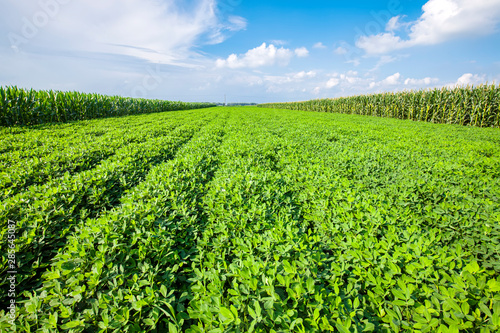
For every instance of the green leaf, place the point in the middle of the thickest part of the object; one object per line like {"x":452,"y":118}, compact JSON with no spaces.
{"x":258,"y":310}
{"x":472,"y":267}
{"x":53,"y":319}
{"x":163,"y":290}
{"x":355,"y":304}
{"x":398,"y":293}
{"x":316,"y":314}
{"x":494,"y":285}
{"x":465,"y":308}
{"x":495,"y":319}
{"x":310,"y":285}
{"x":252,"y":312}
{"x":369,"y":327}
{"x":172,"y":328}
{"x":252,"y":326}
{"x":72,"y":324}
{"x":269,"y":303}
{"x":288,"y":267}
{"x":485,"y":309}
{"x":216,"y":330}
{"x":226,"y":316}
{"x":149,"y":322}
{"x":341,"y":328}
{"x":281,"y":279}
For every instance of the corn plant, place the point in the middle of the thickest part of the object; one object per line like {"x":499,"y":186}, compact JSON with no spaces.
{"x":471,"y":105}
{"x":19,"y":107}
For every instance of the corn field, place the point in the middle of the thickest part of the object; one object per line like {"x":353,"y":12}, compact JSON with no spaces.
{"x":19,"y":107}
{"x":471,"y":106}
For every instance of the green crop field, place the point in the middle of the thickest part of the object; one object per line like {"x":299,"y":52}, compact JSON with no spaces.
{"x":246,"y":219}
{"x":471,"y":105}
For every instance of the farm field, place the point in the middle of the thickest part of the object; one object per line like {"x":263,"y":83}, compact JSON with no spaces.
{"x":246,"y":219}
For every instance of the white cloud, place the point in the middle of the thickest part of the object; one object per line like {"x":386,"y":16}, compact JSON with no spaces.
{"x":319,"y":45}
{"x":290,"y":83}
{"x":304,"y":74}
{"x":301,"y":52}
{"x":347,"y":80}
{"x":385,"y":59}
{"x":381,"y":43}
{"x":278,"y":42}
{"x":397,"y":82}
{"x":419,"y":82}
{"x":355,"y":62}
{"x":332,"y":82}
{"x":393,"y":24}
{"x":470,"y":79}
{"x":392,"y":79}
{"x":340,"y":50}
{"x":290,"y":78}
{"x":260,"y":56}
{"x":442,"y":20}
{"x":151,"y":30}
{"x":237,"y":23}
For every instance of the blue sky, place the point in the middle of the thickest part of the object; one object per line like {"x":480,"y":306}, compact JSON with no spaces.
{"x":251,"y":51}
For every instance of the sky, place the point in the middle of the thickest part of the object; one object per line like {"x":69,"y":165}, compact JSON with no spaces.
{"x":249,"y":51}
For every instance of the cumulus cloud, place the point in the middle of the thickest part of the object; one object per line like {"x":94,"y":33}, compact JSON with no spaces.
{"x":421,"y":82}
{"x":304,"y":74}
{"x":441,"y":20}
{"x":392,"y":79}
{"x":334,"y":81}
{"x":348,"y":79}
{"x":470,"y":79}
{"x":263,"y":55}
{"x":301,"y":52}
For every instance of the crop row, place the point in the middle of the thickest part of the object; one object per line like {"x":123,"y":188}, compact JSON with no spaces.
{"x":20,"y":107}
{"x":258,"y":220}
{"x":472,"y":105}
{"x":46,"y":213}
{"x":52,"y":157}
{"x":125,"y":267}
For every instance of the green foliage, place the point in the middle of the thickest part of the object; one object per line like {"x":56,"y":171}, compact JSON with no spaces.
{"x":19,"y":107}
{"x":252,"y":220}
{"x":472,"y":105}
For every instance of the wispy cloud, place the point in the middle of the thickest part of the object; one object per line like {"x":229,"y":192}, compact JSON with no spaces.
{"x":319,"y":45}
{"x":340,"y":50}
{"x":384,"y":60}
{"x":278,"y":42}
{"x":156,"y":31}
